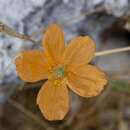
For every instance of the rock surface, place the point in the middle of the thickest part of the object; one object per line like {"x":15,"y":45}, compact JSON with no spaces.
{"x":83,"y":17}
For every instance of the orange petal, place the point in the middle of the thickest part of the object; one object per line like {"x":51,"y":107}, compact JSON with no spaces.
{"x":31,"y":65}
{"x":53,"y":101}
{"x":79,"y":51}
{"x":54,"y":42}
{"x":87,"y":80}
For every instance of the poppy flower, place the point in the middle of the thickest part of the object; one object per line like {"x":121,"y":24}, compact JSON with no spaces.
{"x":64,"y":67}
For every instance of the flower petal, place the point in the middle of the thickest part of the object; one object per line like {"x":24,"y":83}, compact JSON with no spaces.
{"x":53,"y":101}
{"x":87,"y":80}
{"x":31,"y":65}
{"x":54,"y":42}
{"x":79,"y":51}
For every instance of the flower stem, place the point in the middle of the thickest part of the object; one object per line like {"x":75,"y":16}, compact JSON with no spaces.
{"x":108,"y":52}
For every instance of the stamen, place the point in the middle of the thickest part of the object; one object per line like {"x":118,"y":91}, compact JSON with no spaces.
{"x":57,"y":82}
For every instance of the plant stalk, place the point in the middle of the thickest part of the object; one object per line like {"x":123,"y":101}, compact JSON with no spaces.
{"x":112,"y":51}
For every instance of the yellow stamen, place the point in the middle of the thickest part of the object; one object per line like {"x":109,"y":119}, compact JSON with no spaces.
{"x":57,"y":82}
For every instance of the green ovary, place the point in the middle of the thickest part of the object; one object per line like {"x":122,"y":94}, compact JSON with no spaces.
{"x":59,"y":72}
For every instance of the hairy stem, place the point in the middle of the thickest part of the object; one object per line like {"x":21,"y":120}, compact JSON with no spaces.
{"x":112,"y":51}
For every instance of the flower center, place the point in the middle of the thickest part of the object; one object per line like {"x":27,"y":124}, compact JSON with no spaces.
{"x":58,"y":75}
{"x":59,"y":72}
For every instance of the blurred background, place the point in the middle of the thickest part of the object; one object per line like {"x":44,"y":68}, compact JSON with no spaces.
{"x":107,"y":22}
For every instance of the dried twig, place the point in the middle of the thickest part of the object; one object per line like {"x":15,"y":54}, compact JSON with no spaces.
{"x":8,"y":30}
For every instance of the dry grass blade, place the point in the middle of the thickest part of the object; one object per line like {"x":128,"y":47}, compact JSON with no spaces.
{"x":81,"y":16}
{"x":71,"y":20}
{"x":7,"y":30}
{"x":29,"y":114}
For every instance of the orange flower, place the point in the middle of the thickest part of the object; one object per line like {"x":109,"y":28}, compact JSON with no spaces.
{"x":63,"y":66}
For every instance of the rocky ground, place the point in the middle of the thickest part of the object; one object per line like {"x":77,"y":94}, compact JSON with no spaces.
{"x":107,"y":22}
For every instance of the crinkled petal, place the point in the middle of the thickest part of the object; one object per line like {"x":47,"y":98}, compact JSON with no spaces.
{"x":79,"y":51}
{"x":53,"y":101}
{"x":32,"y":65}
{"x":86,"y":80}
{"x":53,"y":42}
